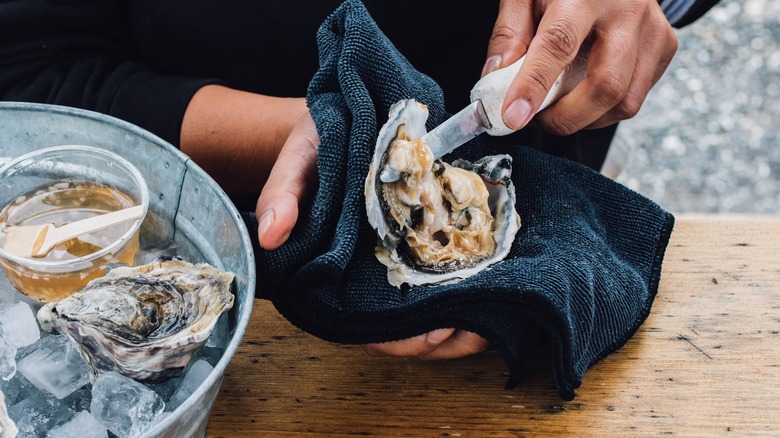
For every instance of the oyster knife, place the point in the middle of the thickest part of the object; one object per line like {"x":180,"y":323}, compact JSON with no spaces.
{"x":487,"y":100}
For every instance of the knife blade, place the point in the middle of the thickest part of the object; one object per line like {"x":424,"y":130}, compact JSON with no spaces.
{"x":457,"y":130}
{"x":487,"y":99}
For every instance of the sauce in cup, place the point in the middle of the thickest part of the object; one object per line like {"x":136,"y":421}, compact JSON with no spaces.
{"x":60,"y":204}
{"x":61,"y":185}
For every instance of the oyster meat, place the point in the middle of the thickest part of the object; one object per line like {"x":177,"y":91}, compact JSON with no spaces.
{"x":436,"y":222}
{"x":145,"y":322}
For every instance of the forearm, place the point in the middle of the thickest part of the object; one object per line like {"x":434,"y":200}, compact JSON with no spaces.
{"x":236,"y":136}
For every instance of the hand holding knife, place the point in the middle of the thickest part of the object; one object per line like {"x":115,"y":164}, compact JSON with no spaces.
{"x":487,"y":100}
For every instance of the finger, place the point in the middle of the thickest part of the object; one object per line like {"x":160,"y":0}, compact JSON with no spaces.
{"x":411,"y":347}
{"x":462,"y":343}
{"x":292,"y":178}
{"x":559,"y":36}
{"x":512,"y":33}
{"x":648,"y":70}
{"x":611,"y":66}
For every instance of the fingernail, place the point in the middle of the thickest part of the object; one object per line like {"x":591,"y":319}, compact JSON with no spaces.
{"x":517,"y":114}
{"x":438,"y":336}
{"x":491,"y":64}
{"x":266,"y":220}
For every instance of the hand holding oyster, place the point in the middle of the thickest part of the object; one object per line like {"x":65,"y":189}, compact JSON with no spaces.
{"x":436,"y":222}
{"x":145,"y":322}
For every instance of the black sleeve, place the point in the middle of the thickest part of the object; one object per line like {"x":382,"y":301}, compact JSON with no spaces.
{"x":78,"y":53}
{"x":684,"y":12}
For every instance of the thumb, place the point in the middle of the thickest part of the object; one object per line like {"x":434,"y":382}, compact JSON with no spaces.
{"x":512,"y":33}
{"x":292,"y":179}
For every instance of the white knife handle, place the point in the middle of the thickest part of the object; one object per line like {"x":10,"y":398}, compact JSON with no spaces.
{"x":492,"y":88}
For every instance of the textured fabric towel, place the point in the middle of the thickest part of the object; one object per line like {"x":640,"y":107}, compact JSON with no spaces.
{"x":581,"y":275}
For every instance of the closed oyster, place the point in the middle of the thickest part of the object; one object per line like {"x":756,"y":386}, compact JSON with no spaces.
{"x":144,"y":322}
{"x":436,"y":222}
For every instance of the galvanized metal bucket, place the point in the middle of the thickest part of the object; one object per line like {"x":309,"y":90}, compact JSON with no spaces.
{"x":186,"y":205}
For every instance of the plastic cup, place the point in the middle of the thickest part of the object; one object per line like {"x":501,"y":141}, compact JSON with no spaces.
{"x":60,"y":185}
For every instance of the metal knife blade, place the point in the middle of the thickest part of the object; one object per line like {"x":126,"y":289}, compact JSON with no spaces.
{"x":487,"y":100}
{"x":457,"y":130}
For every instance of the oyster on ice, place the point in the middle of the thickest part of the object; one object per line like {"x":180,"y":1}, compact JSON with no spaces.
{"x":8,"y":428}
{"x":436,"y":222}
{"x":145,"y":322}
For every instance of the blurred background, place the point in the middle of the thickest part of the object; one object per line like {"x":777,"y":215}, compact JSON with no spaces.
{"x":707,"y":139}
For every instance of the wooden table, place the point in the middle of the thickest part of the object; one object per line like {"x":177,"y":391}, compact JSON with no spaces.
{"x":706,"y":362}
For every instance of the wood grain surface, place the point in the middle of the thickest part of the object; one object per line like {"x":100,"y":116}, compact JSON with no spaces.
{"x":706,"y":362}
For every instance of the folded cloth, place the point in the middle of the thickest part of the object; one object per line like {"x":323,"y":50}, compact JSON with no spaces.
{"x":582,"y":273}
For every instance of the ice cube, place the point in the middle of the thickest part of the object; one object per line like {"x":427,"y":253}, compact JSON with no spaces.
{"x":210,"y":355}
{"x":6,"y":286}
{"x":80,"y":399}
{"x":17,"y":389}
{"x":7,"y":426}
{"x":7,"y":292}
{"x":55,"y":366}
{"x":7,"y":357}
{"x":165,"y":389}
{"x":82,"y":425}
{"x":197,"y":374}
{"x":125,"y":406}
{"x":39,"y":413}
{"x":220,"y":335}
{"x":19,"y":324}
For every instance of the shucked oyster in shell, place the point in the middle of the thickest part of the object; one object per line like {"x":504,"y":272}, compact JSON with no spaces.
{"x":145,"y":322}
{"x":436,"y":222}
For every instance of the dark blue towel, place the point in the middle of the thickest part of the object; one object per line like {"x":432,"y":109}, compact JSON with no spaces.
{"x":582,"y":273}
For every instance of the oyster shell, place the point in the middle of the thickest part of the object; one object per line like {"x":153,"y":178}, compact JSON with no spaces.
{"x":8,"y":428}
{"x":436,"y":222}
{"x":145,"y":322}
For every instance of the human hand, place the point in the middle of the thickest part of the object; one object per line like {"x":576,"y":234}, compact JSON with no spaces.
{"x":446,"y":343}
{"x":631,"y":44}
{"x":245,"y":141}
{"x":292,"y":178}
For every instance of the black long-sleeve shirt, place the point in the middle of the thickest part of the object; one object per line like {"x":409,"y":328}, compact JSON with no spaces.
{"x":142,"y":60}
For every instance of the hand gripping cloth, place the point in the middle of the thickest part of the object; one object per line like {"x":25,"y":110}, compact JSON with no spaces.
{"x":581,"y":275}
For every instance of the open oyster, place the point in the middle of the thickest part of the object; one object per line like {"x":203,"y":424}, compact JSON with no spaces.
{"x":144,"y":322}
{"x":436,"y":222}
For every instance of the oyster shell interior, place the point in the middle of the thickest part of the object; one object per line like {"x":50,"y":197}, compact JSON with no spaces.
{"x":436,"y":221}
{"x":145,"y":322}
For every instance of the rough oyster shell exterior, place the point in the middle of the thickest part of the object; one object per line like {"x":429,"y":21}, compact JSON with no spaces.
{"x":145,"y":322}
{"x":8,"y":428}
